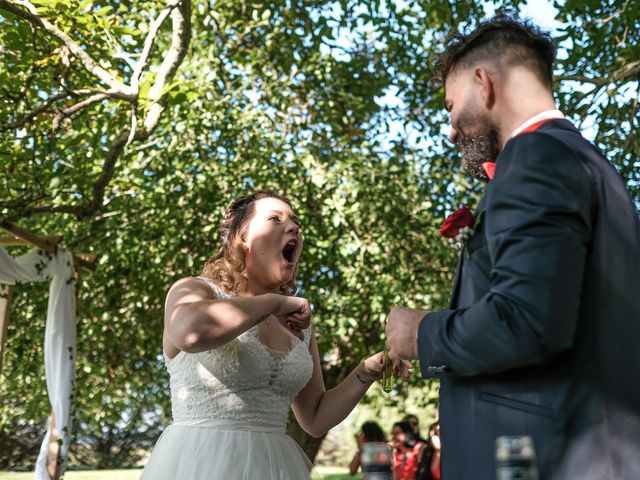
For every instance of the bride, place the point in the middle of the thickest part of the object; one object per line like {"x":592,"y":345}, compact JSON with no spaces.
{"x":240,"y":350}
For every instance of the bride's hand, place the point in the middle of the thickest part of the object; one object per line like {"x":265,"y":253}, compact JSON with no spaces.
{"x":401,"y":369}
{"x":374,"y":366}
{"x":294,"y":313}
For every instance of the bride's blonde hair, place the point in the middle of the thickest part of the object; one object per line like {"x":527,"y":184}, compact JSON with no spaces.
{"x":227,"y":266}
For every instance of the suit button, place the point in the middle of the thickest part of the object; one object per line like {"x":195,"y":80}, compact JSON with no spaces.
{"x":440,"y":369}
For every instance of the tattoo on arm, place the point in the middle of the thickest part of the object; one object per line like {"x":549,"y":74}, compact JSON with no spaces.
{"x":361,"y":380}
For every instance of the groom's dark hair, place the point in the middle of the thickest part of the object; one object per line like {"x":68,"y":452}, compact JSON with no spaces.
{"x":505,"y":41}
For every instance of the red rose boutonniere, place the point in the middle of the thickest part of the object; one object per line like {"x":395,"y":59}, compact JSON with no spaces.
{"x":458,"y":226}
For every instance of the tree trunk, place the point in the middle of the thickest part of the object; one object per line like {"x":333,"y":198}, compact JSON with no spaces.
{"x":310,"y":445}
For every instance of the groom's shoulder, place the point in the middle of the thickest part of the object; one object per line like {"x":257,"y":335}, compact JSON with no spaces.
{"x":544,"y":145}
{"x":559,"y":135}
{"x":554,"y":153}
{"x":557,"y":142}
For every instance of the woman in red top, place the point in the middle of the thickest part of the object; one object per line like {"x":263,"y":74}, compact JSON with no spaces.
{"x":407,"y":451}
{"x":429,"y":468}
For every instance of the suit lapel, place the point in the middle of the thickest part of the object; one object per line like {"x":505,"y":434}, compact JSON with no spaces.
{"x":455,"y":290}
{"x":456,"y":282}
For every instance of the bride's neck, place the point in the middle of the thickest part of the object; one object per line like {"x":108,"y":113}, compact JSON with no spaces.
{"x":252,"y":290}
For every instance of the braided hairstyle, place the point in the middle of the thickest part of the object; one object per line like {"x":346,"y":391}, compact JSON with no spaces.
{"x":226,"y":268}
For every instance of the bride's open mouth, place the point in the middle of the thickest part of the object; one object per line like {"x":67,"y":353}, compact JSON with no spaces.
{"x":289,"y":251}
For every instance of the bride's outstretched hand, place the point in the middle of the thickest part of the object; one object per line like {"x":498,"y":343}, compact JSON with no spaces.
{"x":374,"y":366}
{"x":401,"y":369}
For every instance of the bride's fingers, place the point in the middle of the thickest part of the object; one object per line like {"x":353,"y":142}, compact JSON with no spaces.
{"x":379,"y":364}
{"x":407,"y":371}
{"x":405,"y":364}
{"x":302,"y":320}
{"x":295,"y":330}
{"x":401,"y":368}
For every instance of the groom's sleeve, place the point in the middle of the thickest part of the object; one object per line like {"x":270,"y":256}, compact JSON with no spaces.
{"x":538,"y":228}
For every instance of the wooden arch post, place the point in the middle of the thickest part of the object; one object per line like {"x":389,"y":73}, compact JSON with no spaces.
{"x":22,"y":237}
{"x":6,"y":295}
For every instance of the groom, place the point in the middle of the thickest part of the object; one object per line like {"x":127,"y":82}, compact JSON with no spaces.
{"x":543,"y":330}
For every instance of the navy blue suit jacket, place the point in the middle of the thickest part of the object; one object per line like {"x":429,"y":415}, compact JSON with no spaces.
{"x":543,"y":329}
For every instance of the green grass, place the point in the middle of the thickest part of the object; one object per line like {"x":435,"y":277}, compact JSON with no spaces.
{"x":319,"y":473}
{"x":332,"y":473}
{"x":81,"y":475}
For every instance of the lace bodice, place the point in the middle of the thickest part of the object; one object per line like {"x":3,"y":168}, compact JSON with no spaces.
{"x":241,"y":381}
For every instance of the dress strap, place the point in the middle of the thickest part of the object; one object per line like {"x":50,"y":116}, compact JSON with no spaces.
{"x":217,"y":291}
{"x":308,"y":333}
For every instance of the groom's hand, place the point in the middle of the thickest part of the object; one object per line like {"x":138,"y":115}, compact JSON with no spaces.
{"x":401,"y":332}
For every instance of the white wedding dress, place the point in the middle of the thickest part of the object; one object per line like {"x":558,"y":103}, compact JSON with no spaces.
{"x":230,"y":407}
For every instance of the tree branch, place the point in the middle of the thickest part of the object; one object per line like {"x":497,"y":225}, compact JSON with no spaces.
{"x":181,"y":36}
{"x":95,"y":205}
{"x":69,"y":111}
{"x":97,"y":97}
{"x":20,"y":122}
{"x":148,"y":42}
{"x":622,"y":74}
{"x":626,"y":72}
{"x":180,"y":11}
{"x":108,"y":169}
{"x":31,"y":15}
{"x":120,"y":52}
{"x":613,"y":15}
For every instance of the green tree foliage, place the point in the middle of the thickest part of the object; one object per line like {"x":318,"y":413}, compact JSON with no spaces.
{"x":599,"y":73}
{"x":331,"y":103}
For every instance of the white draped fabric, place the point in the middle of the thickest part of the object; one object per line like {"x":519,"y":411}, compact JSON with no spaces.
{"x":59,"y":341}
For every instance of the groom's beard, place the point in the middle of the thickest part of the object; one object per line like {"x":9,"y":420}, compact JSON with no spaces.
{"x":478,"y":147}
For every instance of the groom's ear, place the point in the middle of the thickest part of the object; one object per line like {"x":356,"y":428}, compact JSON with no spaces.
{"x":485,"y":81}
